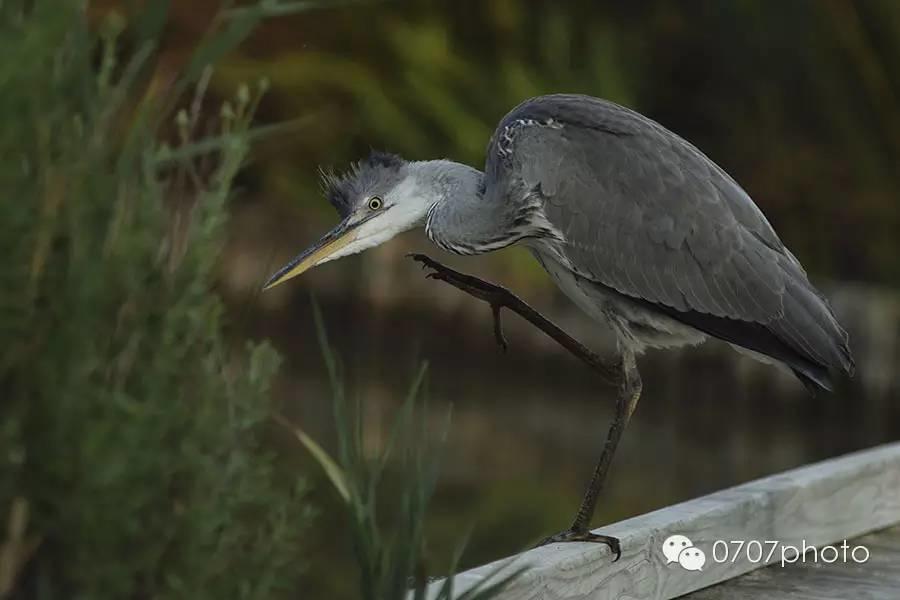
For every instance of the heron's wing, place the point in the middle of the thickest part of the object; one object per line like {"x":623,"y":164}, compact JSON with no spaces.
{"x":647,"y":214}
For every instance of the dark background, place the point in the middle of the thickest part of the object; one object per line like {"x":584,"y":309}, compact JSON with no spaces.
{"x":798,"y":100}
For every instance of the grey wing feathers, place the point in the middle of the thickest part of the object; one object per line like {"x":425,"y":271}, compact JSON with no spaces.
{"x":647,"y":214}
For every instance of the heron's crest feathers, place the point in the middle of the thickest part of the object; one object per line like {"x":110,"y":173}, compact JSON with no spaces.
{"x":378,"y":171}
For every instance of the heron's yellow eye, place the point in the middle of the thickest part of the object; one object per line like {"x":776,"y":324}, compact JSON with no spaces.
{"x":375,"y":203}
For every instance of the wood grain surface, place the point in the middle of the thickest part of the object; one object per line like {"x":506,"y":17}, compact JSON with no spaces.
{"x":819,"y":504}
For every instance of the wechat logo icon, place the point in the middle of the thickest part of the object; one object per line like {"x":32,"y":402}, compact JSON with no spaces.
{"x":679,"y":549}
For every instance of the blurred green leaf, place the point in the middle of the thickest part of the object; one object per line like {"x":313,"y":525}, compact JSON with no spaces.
{"x":329,"y":466}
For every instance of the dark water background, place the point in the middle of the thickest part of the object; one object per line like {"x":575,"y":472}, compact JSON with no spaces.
{"x":527,"y":426}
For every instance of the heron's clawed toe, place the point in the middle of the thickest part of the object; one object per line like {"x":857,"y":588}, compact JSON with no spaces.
{"x":421,"y":258}
{"x":498,"y":328}
{"x":572,"y":535}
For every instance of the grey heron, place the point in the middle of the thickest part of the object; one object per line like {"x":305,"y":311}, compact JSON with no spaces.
{"x":634,"y":224}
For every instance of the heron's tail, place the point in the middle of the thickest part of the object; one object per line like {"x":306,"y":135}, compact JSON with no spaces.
{"x":805,"y":336}
{"x":809,"y":327}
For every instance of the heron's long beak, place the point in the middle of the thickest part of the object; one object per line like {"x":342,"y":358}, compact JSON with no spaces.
{"x":330,"y":243}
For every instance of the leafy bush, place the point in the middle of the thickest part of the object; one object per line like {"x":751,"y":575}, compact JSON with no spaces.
{"x":134,"y":463}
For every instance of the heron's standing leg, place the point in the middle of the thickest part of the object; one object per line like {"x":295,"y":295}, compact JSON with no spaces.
{"x":628,"y":395}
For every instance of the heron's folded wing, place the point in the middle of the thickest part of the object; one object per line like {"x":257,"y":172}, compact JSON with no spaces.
{"x":644,"y":212}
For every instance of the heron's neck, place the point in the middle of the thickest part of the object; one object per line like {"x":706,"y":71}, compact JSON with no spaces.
{"x":441,"y":180}
{"x":460,"y":220}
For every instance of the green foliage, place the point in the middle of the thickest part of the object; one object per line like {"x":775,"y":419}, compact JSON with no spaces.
{"x":389,"y":541}
{"x":798,"y":101}
{"x":410,"y":86}
{"x":132,"y":438}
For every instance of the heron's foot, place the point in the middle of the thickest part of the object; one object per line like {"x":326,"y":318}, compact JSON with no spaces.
{"x":495,"y":295}
{"x":574,"y":535}
{"x":499,"y":297}
{"x":483,"y":290}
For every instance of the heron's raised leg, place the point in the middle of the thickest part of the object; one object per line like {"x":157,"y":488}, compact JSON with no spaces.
{"x":624,"y":373}
{"x":499,"y":298}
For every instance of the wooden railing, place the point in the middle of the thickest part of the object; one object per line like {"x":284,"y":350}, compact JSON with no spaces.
{"x":816,"y":505}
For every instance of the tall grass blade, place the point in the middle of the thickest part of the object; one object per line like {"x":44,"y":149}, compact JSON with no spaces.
{"x":329,"y":466}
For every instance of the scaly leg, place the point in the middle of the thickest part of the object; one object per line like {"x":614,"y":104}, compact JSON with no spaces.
{"x":499,"y":297}
{"x":626,"y":402}
{"x":624,"y":373}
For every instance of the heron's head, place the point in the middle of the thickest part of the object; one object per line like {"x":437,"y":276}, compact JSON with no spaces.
{"x":377,"y":198}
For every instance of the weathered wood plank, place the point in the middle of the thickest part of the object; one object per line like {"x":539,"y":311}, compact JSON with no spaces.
{"x":818,"y":504}
{"x":876,"y":579}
